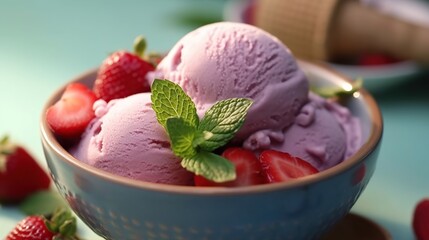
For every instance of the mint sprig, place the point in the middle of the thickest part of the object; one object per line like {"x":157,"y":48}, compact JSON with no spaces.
{"x":193,"y":140}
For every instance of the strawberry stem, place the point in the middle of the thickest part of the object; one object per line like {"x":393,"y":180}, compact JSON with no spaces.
{"x":140,"y":46}
{"x":5,"y":149}
{"x":4,"y":140}
{"x":64,"y":223}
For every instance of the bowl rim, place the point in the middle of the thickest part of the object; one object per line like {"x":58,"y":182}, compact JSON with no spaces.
{"x":367,"y":148}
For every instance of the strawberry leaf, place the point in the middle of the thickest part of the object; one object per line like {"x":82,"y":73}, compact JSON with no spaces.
{"x":42,"y":203}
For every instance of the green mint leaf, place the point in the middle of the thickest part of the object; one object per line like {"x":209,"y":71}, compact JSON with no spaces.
{"x":337,"y":91}
{"x":221,"y":122}
{"x":181,"y":136}
{"x":210,"y":166}
{"x":170,"y":101}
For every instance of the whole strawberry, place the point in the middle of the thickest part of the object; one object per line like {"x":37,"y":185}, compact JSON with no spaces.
{"x":123,"y":74}
{"x":421,"y":220}
{"x":20,"y":174}
{"x":62,"y":225}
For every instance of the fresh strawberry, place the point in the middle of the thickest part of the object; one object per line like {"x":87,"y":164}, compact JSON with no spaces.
{"x":248,"y":15}
{"x":32,"y":227}
{"x":421,"y":220}
{"x":247,"y":166}
{"x":69,"y":116}
{"x":62,"y":225}
{"x":375,"y":60}
{"x":359,"y":175}
{"x":282,"y":167}
{"x":20,"y":174}
{"x":123,"y":74}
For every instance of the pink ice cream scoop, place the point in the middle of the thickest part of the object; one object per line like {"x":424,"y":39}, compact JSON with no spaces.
{"x":126,"y":139}
{"x":324,"y":133}
{"x":228,"y":60}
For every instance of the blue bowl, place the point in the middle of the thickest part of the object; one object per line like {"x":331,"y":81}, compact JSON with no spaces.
{"x":119,"y":208}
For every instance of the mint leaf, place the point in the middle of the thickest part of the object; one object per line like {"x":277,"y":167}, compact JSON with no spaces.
{"x":337,"y":91}
{"x":170,"y":101}
{"x":210,"y":166}
{"x":181,"y":136}
{"x":222,"y":121}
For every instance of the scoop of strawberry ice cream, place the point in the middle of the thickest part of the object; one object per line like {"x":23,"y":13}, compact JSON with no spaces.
{"x":229,"y":60}
{"x":324,"y":134}
{"x":126,"y":139}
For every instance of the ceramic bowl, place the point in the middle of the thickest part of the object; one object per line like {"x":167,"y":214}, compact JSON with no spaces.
{"x":119,"y":208}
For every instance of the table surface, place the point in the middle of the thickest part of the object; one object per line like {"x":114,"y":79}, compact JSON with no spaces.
{"x":45,"y":43}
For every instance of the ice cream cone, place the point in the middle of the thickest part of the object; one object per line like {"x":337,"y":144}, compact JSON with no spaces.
{"x":324,"y":29}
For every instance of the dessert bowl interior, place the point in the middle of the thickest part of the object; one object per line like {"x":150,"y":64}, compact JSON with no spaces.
{"x":119,"y":208}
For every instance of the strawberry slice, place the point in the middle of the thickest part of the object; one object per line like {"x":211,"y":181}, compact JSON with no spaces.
{"x":247,"y":166}
{"x":282,"y":167}
{"x":20,"y":174}
{"x":421,"y":220}
{"x":69,"y":116}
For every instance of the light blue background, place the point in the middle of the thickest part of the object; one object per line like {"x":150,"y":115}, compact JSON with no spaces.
{"x":45,"y":43}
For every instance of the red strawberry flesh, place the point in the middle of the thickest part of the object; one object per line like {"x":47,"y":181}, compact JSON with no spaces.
{"x":69,"y":117}
{"x":282,"y":167}
{"x":247,"y":166}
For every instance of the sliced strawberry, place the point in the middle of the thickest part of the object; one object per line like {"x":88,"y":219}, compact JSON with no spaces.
{"x":123,"y":74}
{"x":69,"y":116}
{"x":421,"y":220}
{"x":247,"y":166}
{"x":282,"y":167}
{"x":20,"y":174}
